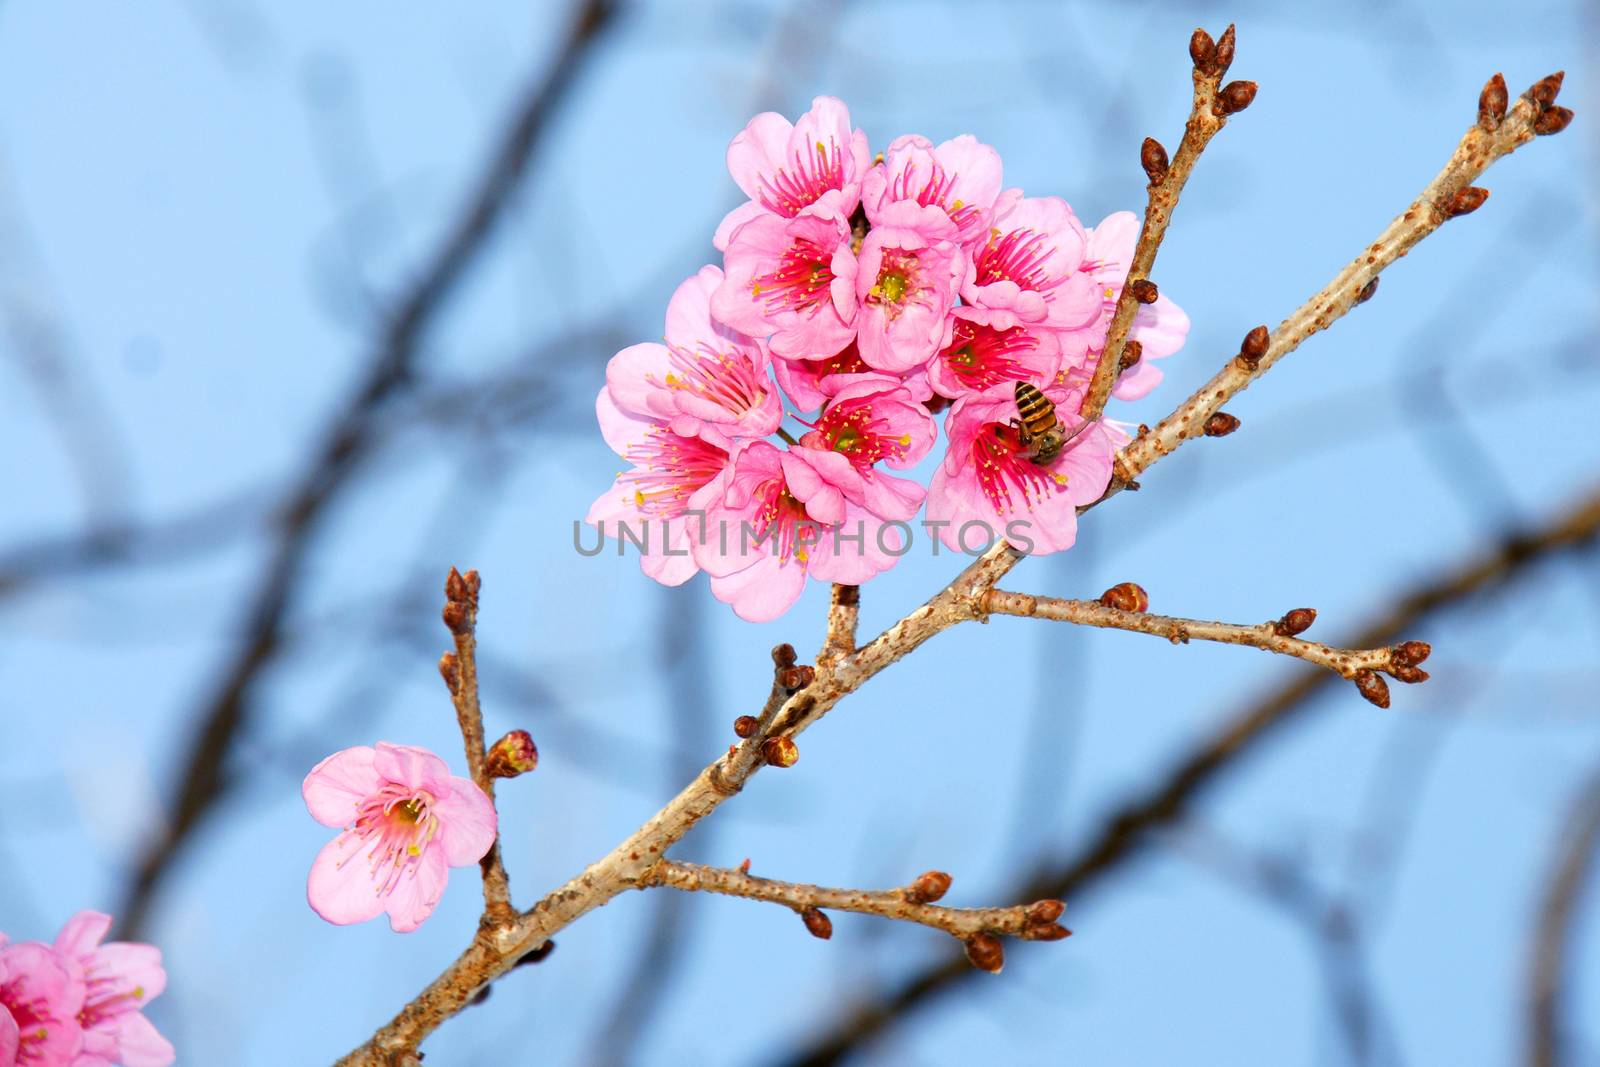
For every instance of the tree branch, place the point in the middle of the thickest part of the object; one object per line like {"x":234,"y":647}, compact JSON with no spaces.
{"x":1552,"y":973}
{"x":843,"y":613}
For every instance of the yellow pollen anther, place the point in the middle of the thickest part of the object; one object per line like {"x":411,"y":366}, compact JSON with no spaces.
{"x":413,"y":850}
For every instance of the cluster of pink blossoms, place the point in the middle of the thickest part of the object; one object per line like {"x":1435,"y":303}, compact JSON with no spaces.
{"x":876,"y":292}
{"x":78,"y":1003}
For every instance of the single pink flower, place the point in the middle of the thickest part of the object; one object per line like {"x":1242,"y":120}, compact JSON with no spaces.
{"x":961,"y":177}
{"x":812,"y":166}
{"x":647,"y":502}
{"x":772,"y":519}
{"x":41,"y":994}
{"x":869,"y":423}
{"x":707,"y":380}
{"x":988,"y":488}
{"x":908,"y":274}
{"x":792,"y":279}
{"x":406,"y":822}
{"x":120,"y":979}
{"x":811,"y":383}
{"x":1160,"y":328}
{"x":1031,"y":265}
{"x":987,"y":347}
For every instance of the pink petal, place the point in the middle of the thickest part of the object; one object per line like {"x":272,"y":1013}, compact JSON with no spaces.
{"x":341,"y":887}
{"x":622,"y":430}
{"x":141,"y":1045}
{"x":335,"y":788}
{"x":416,"y":768}
{"x":83,"y":933}
{"x":132,"y":966}
{"x":467,"y":822}
{"x":736,"y":218}
{"x":762,"y":592}
{"x":8,"y":1038}
{"x":418,"y":892}
{"x":758,"y":150}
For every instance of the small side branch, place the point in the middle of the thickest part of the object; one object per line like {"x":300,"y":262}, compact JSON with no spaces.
{"x":843,"y":614}
{"x":1031,"y":922}
{"x":460,"y":671}
{"x":1361,"y":666}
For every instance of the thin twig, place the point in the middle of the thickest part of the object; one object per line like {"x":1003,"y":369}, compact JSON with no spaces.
{"x":843,"y":613}
{"x":1553,"y":973}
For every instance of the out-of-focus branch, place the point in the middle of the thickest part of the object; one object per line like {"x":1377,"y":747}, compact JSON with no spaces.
{"x":1212,"y":106}
{"x":1551,"y":975}
{"x":344,"y":444}
{"x":1031,"y":922}
{"x":1126,"y":832}
{"x":1358,"y":665}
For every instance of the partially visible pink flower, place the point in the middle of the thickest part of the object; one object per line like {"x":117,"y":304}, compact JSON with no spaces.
{"x":987,"y":347}
{"x":120,"y":979}
{"x":961,"y":177}
{"x":772,"y":519}
{"x":907,"y":278}
{"x":406,"y":822}
{"x":869,"y":423}
{"x":794,"y":279}
{"x":1160,"y":328}
{"x":1031,"y":263}
{"x":650,"y":497}
{"x":41,"y":994}
{"x":988,"y":488}
{"x":812,"y":166}
{"x":707,"y":381}
{"x":810,"y":383}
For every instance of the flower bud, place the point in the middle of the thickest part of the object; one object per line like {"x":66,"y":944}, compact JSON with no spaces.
{"x":1153,"y":158}
{"x":1255,"y":345}
{"x":1144,"y":290}
{"x":1366,"y":292}
{"x":780,"y":752}
{"x":1552,"y":121}
{"x":984,"y":951}
{"x":455,"y":616}
{"x":1225,"y":45}
{"x":1203,"y":51}
{"x":1045,"y":911}
{"x":1045,"y":932}
{"x":1295,"y":622}
{"x":746,"y":725}
{"x":1410,"y":653}
{"x":450,"y":671}
{"x":744,"y":867}
{"x":1492,"y":104}
{"x":819,"y":924}
{"x":928,"y":887}
{"x":797,"y":678}
{"x":1409,"y":674}
{"x":512,"y":755}
{"x":1372,"y":687}
{"x":783,"y":656}
{"x":1126,"y":596}
{"x":1235,"y":97}
{"x":1221,"y":424}
{"x":1466,"y":201}
{"x":1132,"y":352}
{"x":1543,"y":92}
{"x":455,"y":586}
{"x":538,"y":955}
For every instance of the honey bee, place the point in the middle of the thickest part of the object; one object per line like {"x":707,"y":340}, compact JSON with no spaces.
{"x":1039,"y":431}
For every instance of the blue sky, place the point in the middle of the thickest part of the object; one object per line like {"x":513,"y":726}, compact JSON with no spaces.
{"x":208,"y":204}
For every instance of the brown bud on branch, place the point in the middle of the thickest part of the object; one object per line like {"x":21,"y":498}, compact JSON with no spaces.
{"x":1235,"y":97}
{"x":1225,"y":46}
{"x":746,"y":726}
{"x":928,"y":887}
{"x":513,"y":754}
{"x":455,"y":616}
{"x":1466,"y":201}
{"x":783,"y":656}
{"x":1544,"y":91}
{"x":1132,"y":352}
{"x":1492,"y":104}
{"x":1126,"y":596}
{"x":1203,"y":51}
{"x":1295,"y":622}
{"x":1366,"y":292}
{"x":1221,"y":424}
{"x":819,"y":924}
{"x":984,"y":951}
{"x":780,"y":752}
{"x":1553,"y":121}
{"x":1372,"y":687}
{"x":1153,"y":158}
{"x":1410,"y":653}
{"x":450,"y":671}
{"x":1045,"y":911}
{"x":797,"y":678}
{"x":1144,"y":290}
{"x":1254,"y":346}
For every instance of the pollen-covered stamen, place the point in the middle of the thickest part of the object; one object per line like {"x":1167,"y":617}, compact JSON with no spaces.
{"x":1007,"y":476}
{"x":800,"y":281}
{"x":802,"y":182}
{"x":395,"y":824}
{"x":32,"y":1016}
{"x":668,"y":469}
{"x":1020,"y":256}
{"x":899,"y":281}
{"x":727,"y":379}
{"x":847,"y":362}
{"x":781,"y":525}
{"x":984,"y":356}
{"x":854,"y":430}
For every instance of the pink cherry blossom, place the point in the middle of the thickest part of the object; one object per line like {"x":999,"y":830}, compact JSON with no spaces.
{"x":987,"y":347}
{"x":120,"y":979}
{"x":406,"y":822}
{"x":1031,"y":263}
{"x":961,"y":177}
{"x":907,"y":278}
{"x":41,"y":995}
{"x":707,"y":380}
{"x":794,"y":279}
{"x":869,"y":423}
{"x":650,"y":498}
{"x":810,"y":383}
{"x":988,"y":480}
{"x":814,"y":166}
{"x":772,"y":519}
{"x":1160,"y":328}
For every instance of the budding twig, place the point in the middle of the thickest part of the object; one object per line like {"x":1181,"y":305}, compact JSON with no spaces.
{"x":1208,"y":115}
{"x":843,"y":613}
{"x":1358,"y":665}
{"x":461,"y":676}
{"x":1031,"y":922}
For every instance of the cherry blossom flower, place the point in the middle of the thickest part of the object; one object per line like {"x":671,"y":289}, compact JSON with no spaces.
{"x":907,"y":278}
{"x":866,"y":423}
{"x":41,"y":996}
{"x":987,"y":347}
{"x":814,"y":166}
{"x":961,"y":177}
{"x":406,"y":821}
{"x":1160,"y":328}
{"x":988,"y":488}
{"x":793,"y":279}
{"x":1031,"y":263}
{"x":772,"y":519}
{"x":707,"y":380}
{"x":811,"y":383}
{"x":120,"y":979}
